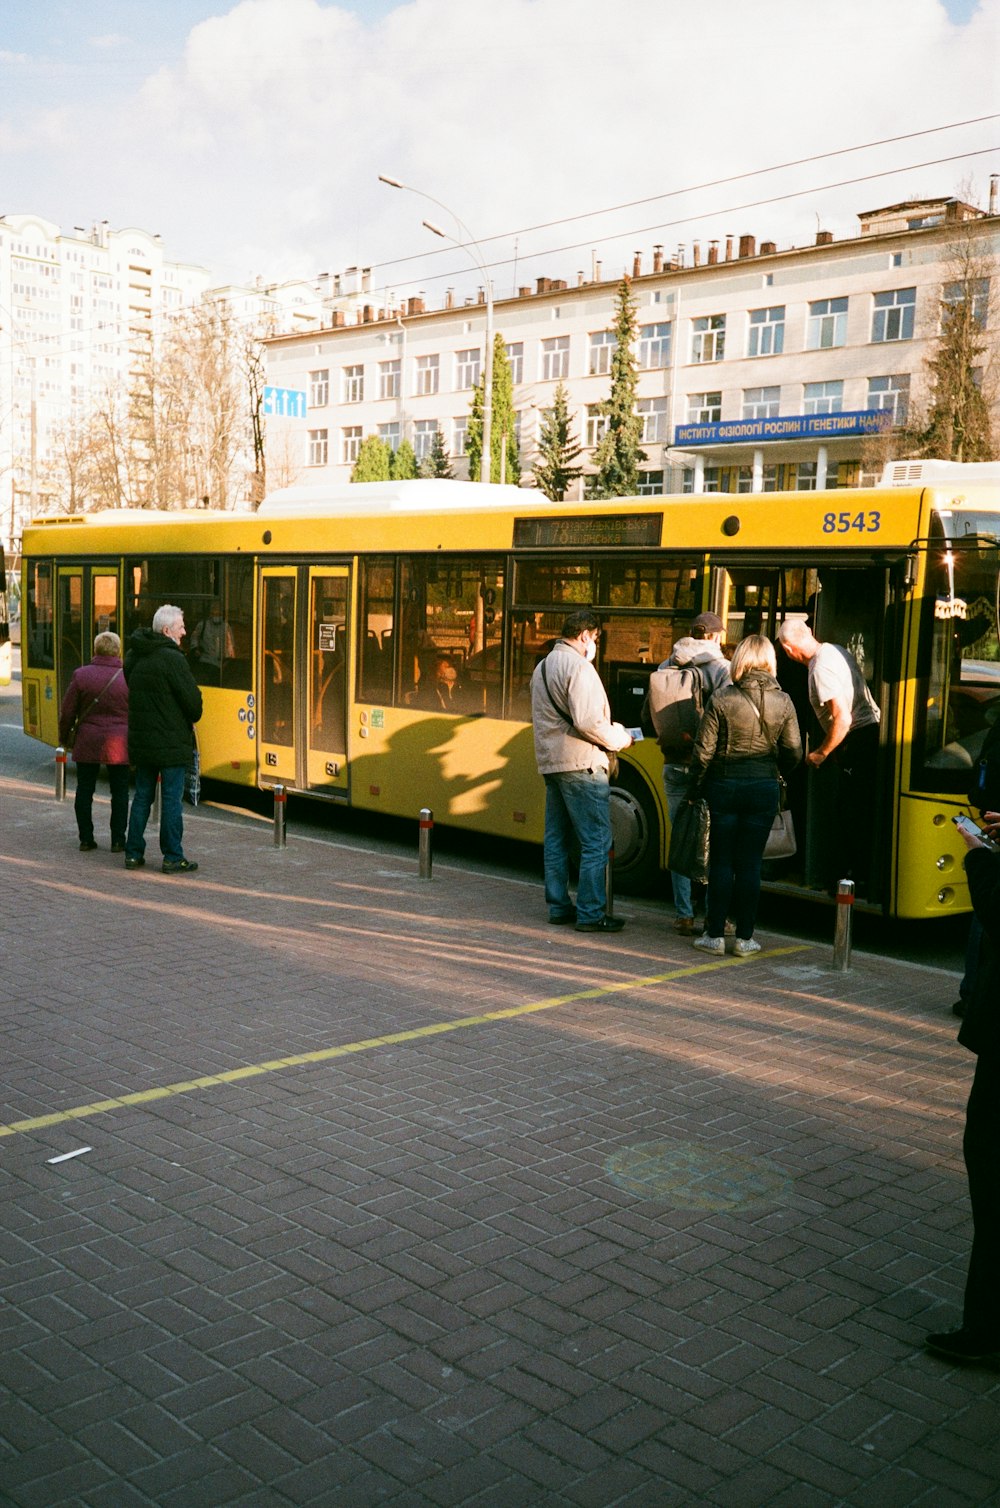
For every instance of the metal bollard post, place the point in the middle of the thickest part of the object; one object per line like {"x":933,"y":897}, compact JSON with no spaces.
{"x":156,"y":809}
{"x":609,"y":883}
{"x":426,"y":828}
{"x":61,"y":773}
{"x":280,"y":803}
{"x":842,"y":934}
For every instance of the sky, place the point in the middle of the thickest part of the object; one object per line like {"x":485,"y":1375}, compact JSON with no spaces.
{"x":250,"y":135}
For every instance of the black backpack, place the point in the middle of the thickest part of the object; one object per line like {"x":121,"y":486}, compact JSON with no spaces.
{"x":984,"y":793}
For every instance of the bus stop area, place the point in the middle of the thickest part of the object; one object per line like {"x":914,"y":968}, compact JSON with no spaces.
{"x":327,"y":1184}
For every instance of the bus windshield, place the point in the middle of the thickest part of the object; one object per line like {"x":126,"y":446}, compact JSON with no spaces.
{"x":960,"y":650}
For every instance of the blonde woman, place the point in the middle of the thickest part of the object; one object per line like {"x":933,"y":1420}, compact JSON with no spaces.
{"x":747,"y":738}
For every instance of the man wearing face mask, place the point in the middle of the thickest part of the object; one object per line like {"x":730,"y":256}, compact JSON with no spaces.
{"x":574,"y":734}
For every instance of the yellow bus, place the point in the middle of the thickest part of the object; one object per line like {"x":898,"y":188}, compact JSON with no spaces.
{"x":330,"y":615}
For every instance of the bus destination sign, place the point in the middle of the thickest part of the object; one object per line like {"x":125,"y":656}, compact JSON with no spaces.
{"x":604,"y":529}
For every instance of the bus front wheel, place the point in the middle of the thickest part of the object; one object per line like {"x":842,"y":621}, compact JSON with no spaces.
{"x":635,"y":829}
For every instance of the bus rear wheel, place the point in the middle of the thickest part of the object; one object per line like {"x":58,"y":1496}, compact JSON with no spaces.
{"x":635,"y":829}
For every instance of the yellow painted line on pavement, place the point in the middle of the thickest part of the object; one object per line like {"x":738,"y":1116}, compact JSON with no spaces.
{"x":391,"y":1039}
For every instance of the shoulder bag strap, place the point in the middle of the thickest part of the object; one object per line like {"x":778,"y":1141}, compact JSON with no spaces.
{"x":548,"y":692}
{"x":109,"y":682}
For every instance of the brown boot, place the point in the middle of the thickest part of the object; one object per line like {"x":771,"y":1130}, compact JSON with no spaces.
{"x":684,"y":925}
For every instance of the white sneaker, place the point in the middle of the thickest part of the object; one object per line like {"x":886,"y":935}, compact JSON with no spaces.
{"x":710,"y":944}
{"x":743,"y":946}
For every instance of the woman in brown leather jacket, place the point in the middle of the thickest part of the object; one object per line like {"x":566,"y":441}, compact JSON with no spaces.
{"x":748,"y":736}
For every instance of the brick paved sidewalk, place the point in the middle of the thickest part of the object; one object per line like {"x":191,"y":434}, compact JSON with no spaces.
{"x":396,"y":1195}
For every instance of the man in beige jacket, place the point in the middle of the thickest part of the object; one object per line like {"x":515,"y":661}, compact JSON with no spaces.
{"x":573,"y":734}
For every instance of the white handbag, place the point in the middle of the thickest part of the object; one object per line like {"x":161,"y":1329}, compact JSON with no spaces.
{"x":781,"y":842}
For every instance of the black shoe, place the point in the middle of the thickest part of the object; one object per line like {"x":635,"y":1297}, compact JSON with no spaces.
{"x":118,"y":848}
{"x":134,"y":863}
{"x":178,"y":866}
{"x":88,"y":845}
{"x":965,"y":1346}
{"x":606,"y":924}
{"x":958,"y":1009}
{"x":562,"y":918}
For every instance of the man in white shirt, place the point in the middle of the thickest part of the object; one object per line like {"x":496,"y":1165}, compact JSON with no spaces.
{"x":849,"y":718}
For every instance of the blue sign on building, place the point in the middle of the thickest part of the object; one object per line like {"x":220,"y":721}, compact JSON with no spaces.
{"x":786,"y":427}
{"x":285,"y":402}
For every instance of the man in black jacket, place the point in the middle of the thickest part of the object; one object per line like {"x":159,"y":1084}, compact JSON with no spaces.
{"x":164,"y":705}
{"x":978,"y":1340}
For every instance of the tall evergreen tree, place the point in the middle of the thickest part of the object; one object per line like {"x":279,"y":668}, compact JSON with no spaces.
{"x":374,"y":461}
{"x":505,"y":464}
{"x":404,"y":463}
{"x":958,"y":426}
{"x":558,"y":448}
{"x":438,"y":463}
{"x":619,"y":453}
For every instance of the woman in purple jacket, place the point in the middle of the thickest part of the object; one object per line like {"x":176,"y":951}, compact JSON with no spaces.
{"x":96,"y":701}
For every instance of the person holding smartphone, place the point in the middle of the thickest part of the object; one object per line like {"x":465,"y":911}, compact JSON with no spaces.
{"x":978,"y":1339}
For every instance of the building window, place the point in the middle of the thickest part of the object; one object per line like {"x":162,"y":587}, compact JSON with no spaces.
{"x":354,"y":384}
{"x":955,"y":296}
{"x":805,"y":476}
{"x":424,"y":431}
{"x":892,"y":315}
{"x":891,"y":393}
{"x":467,"y":368}
{"x":515,"y":356}
{"x":768,"y":478}
{"x":708,"y":338}
{"x":827,"y":324}
{"x":518,"y":417}
{"x":389,"y":378}
{"x":602,"y":348}
{"x":650,"y":483}
{"x":351,"y":443}
{"x":653,"y":412}
{"x":823,"y":397}
{"x":767,"y":332}
{"x":654,"y":345}
{"x":391,"y":434}
{"x":761,"y":402}
{"x":597,"y":423}
{"x":428,"y":375}
{"x":896,"y":259}
{"x":555,"y":359}
{"x":319,"y":447}
{"x":460,"y":436}
{"x":319,"y":388}
{"x":704,"y":408}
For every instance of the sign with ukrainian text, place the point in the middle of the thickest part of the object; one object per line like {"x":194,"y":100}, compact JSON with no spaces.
{"x":786,"y":427}
{"x":285,"y":402}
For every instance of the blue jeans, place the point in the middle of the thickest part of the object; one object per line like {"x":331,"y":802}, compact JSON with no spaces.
{"x":577,"y":806}
{"x":171,"y":820}
{"x":742,"y":812}
{"x":675,"y":784}
{"x":83,"y":804}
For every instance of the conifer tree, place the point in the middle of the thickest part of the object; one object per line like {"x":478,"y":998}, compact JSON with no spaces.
{"x":958,"y":426}
{"x":438,"y":463}
{"x":374,"y":461}
{"x":505,"y":464}
{"x":619,"y":453}
{"x":558,"y":448}
{"x":404,"y":463}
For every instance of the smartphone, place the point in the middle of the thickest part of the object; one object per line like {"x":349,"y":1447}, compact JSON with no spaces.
{"x":966,"y":825}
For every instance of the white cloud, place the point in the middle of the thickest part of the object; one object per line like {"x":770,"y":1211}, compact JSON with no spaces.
{"x":259,"y":151}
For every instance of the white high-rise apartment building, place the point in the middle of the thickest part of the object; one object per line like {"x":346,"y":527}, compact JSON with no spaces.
{"x":78,"y":311}
{"x":758,"y":368}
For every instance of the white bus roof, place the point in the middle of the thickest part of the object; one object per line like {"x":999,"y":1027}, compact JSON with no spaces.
{"x":431,"y":495}
{"x":918,"y":473}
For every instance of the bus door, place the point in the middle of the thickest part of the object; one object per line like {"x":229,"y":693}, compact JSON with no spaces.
{"x":86,"y":605}
{"x":302,"y":718}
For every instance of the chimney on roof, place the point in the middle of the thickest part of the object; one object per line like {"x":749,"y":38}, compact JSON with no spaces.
{"x":824,"y":237}
{"x":637,"y":264}
{"x":415,"y":306}
{"x":748,"y":246}
{"x":338,"y":319}
{"x":729,"y":248}
{"x":695,"y":253}
{"x":524,"y":293}
{"x":767,"y":248}
{"x":657,"y":258}
{"x":541,"y":285}
{"x":713,"y":253}
{"x":449,"y":298}
{"x":597,"y":271}
{"x":993,"y":195}
{"x":579,"y":279}
{"x":481,"y":296}
{"x":680,"y":253}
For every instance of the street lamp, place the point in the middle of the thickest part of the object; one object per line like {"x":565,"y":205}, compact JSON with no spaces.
{"x":471,"y":245}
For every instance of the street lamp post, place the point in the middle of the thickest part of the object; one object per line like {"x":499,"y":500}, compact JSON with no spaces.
{"x":476,"y":256}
